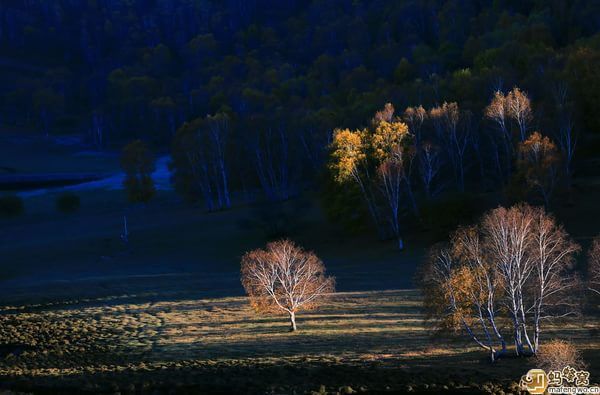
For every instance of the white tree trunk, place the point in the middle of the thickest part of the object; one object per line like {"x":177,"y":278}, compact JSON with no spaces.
{"x":293,"y":327}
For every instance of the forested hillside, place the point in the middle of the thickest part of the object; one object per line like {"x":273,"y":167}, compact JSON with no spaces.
{"x":287,"y":73}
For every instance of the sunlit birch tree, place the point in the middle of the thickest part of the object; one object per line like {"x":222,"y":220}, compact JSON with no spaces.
{"x":515,"y":266}
{"x":285,"y":278}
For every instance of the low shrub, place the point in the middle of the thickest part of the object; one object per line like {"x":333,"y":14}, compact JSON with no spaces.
{"x":557,"y":354}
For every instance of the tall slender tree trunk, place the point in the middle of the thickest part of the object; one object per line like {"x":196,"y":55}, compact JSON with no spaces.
{"x":225,"y":185}
{"x":293,"y":327}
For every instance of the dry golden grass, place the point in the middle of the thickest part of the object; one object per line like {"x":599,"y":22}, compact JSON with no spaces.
{"x":358,"y":329}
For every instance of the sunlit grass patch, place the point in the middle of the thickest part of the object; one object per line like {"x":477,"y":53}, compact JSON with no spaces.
{"x":385,"y":328}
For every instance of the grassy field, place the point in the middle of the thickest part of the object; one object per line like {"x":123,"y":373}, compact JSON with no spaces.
{"x":374,"y":341}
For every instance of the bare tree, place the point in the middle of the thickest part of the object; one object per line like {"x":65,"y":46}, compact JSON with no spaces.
{"x":566,"y":136}
{"x":284,"y":277}
{"x":271,"y":151}
{"x":460,"y":142}
{"x":594,"y":266}
{"x":436,"y":115}
{"x":430,"y":164}
{"x":218,"y":130}
{"x":446,"y":124}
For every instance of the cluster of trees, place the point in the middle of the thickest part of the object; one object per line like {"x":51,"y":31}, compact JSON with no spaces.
{"x":286,"y":73}
{"x":199,"y":161}
{"x":499,"y":280}
{"x":399,"y":162}
{"x":376,"y":156}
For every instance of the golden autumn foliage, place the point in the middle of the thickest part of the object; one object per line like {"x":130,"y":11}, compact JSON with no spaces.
{"x":349,"y":150}
{"x":445,"y":118}
{"x":375,"y":158}
{"x":515,"y":106}
{"x":539,"y":149}
{"x":388,"y":139}
{"x":415,"y":115}
{"x":497,"y":110}
{"x":353,"y":151}
{"x":451,"y":113}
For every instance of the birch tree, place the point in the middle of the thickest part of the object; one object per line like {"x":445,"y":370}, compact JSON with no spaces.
{"x":539,"y":162}
{"x":414,"y":118}
{"x":566,"y":135}
{"x":446,"y":119}
{"x":218,"y":130}
{"x":285,"y":278}
{"x":519,"y":110}
{"x":498,"y":113}
{"x":430,"y":164}
{"x":390,"y":144}
{"x":553,"y":259}
{"x":270,"y":152}
{"x":515,"y":265}
{"x":461,"y":289}
{"x":349,"y":152}
{"x":199,"y":155}
{"x":506,"y":232}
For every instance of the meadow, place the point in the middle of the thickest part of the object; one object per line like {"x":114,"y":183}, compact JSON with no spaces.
{"x":81,"y":312}
{"x":359,"y":341}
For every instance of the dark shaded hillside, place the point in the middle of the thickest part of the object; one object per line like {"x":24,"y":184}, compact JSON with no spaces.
{"x":282,"y":75}
{"x":141,"y":68}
